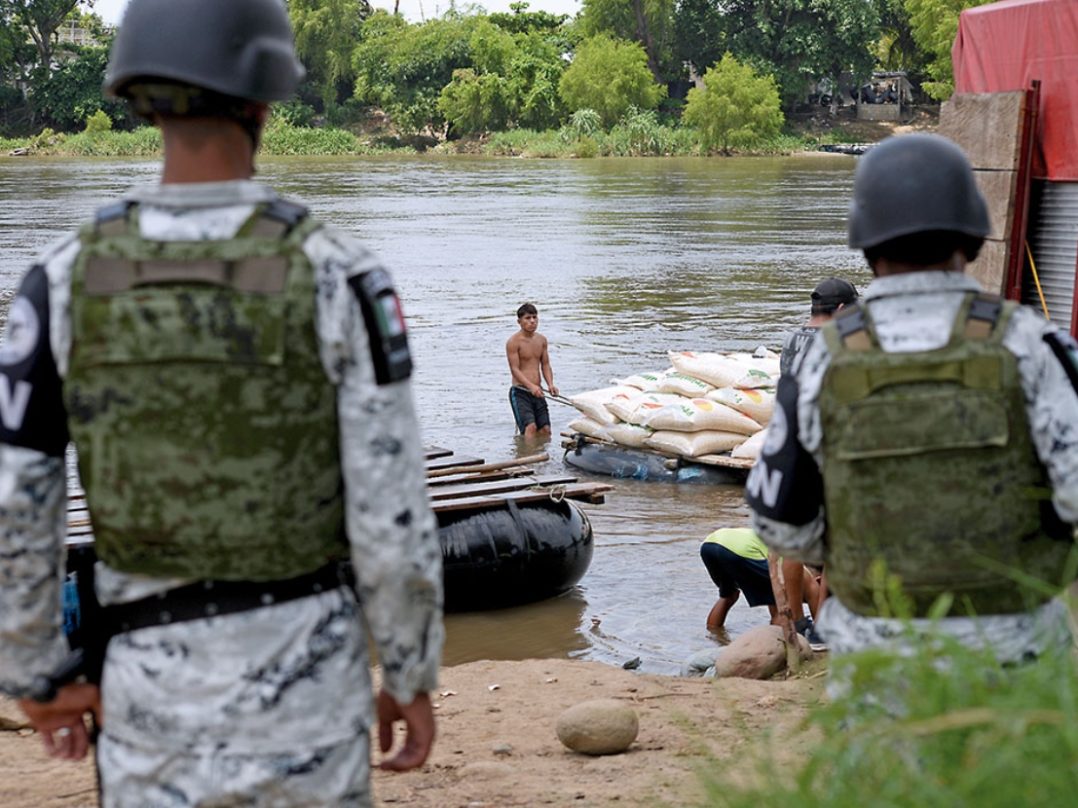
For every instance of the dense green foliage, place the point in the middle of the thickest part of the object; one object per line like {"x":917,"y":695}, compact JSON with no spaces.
{"x":944,"y":727}
{"x":934,"y":24}
{"x":734,"y":108}
{"x":469,"y":73}
{"x":609,"y":76}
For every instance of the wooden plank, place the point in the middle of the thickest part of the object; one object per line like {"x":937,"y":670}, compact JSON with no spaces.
{"x":587,"y":492}
{"x":483,"y":476}
{"x":441,"y":464}
{"x":504,"y":464}
{"x":432,"y":452}
{"x":482,"y":489}
{"x":987,"y":126}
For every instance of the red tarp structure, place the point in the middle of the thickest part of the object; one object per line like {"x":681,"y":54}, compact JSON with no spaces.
{"x":1004,"y":46}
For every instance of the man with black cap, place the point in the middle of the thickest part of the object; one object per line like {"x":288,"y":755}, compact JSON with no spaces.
{"x":928,"y":445}
{"x":235,"y":376}
{"x":828,"y":297}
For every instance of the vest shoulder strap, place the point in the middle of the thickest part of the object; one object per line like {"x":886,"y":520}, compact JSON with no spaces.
{"x":982,"y":316}
{"x":276,"y":219}
{"x":112,"y":220}
{"x":853,"y":327}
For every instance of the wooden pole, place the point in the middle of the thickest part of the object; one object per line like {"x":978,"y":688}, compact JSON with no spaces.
{"x":505,"y":464}
{"x":786,"y":616}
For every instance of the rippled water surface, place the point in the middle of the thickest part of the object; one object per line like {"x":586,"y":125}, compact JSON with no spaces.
{"x":626,"y":260}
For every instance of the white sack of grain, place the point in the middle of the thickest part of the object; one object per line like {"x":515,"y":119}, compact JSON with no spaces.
{"x":751,"y":448}
{"x":623,"y":405}
{"x":590,"y":427}
{"x":757,"y":404}
{"x":767,"y":364}
{"x":637,"y":409}
{"x":683,"y":384}
{"x":696,"y":414}
{"x":593,"y":402}
{"x":646,"y":382}
{"x":694,"y":444}
{"x":629,"y":435}
{"x":726,"y":370}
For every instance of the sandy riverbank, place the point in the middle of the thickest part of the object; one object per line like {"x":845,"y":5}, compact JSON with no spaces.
{"x":497,"y":745}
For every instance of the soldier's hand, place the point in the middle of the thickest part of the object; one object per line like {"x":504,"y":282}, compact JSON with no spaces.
{"x":418,"y":719}
{"x":61,"y":722}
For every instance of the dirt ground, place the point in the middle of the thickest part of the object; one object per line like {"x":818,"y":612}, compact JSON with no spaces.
{"x":820,"y":122}
{"x":497,"y":745}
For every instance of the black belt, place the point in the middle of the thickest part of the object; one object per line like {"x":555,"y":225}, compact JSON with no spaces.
{"x":206,"y":599}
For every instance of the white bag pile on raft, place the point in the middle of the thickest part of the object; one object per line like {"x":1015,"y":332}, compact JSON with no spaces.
{"x":705,"y":403}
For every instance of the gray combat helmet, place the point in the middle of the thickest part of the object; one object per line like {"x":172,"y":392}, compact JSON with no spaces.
{"x":242,"y":49}
{"x":913,"y":184}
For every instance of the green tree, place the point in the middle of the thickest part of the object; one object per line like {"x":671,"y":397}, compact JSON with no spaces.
{"x":72,"y":93}
{"x":802,"y":41}
{"x":326,"y":34}
{"x":649,"y":22}
{"x":699,"y":32}
{"x":521,"y":21}
{"x":534,"y":75}
{"x":934,"y":24}
{"x":403,"y":68}
{"x":609,"y":76}
{"x":39,"y":20}
{"x":475,"y":102}
{"x":736,"y":107}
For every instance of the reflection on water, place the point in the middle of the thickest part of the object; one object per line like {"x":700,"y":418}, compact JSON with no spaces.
{"x":625,"y":259}
{"x":547,"y":629}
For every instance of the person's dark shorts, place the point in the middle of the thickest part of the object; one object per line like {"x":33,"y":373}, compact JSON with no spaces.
{"x":732,"y":572}
{"x":528,"y":409}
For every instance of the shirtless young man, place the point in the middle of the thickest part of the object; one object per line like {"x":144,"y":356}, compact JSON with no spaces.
{"x":528,"y":356}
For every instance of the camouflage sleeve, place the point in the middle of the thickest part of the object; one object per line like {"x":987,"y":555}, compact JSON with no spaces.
{"x":1051,"y":404}
{"x":33,"y":490}
{"x":393,"y":532}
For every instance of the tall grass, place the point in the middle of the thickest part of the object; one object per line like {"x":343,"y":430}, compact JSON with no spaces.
{"x":946,"y":727}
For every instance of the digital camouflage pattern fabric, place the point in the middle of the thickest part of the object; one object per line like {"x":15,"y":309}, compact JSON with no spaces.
{"x":264,"y":707}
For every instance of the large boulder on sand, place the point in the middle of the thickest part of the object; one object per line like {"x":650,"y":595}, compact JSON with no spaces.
{"x":758,"y":654}
{"x":598,"y":727}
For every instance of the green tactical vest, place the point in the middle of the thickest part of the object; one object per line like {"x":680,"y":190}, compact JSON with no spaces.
{"x":928,"y":466}
{"x":205,"y":425}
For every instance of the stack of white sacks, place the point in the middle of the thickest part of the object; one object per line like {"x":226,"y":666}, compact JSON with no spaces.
{"x":707,"y":403}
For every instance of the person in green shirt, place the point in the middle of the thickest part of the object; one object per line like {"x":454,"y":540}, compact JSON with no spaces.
{"x":736,"y":560}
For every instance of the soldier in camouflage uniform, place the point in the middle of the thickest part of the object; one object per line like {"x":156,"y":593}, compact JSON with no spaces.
{"x":931,"y":434}
{"x":235,"y":377}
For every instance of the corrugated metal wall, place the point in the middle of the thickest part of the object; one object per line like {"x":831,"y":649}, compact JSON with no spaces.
{"x":1053,"y":238}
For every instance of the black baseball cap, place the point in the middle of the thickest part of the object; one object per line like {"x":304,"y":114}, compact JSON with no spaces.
{"x":833,"y":292}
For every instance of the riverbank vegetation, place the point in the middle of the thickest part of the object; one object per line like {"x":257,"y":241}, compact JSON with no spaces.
{"x":658,"y":76}
{"x":947,"y":727}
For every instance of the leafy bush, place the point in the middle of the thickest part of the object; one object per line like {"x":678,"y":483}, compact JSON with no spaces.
{"x":281,"y":139}
{"x":735,"y":108}
{"x":294,"y":113}
{"x":475,"y":103}
{"x":98,"y":122}
{"x":639,"y":133}
{"x":582,"y":123}
{"x":609,"y":76}
{"x":953,"y":728}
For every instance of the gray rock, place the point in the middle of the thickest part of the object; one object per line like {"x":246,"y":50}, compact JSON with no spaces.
{"x":758,"y":654}
{"x":598,"y":727}
{"x":502,"y":749}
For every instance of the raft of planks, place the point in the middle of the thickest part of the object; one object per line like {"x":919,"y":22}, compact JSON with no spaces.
{"x":454,"y":482}
{"x":570,"y":440}
{"x":457,"y":483}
